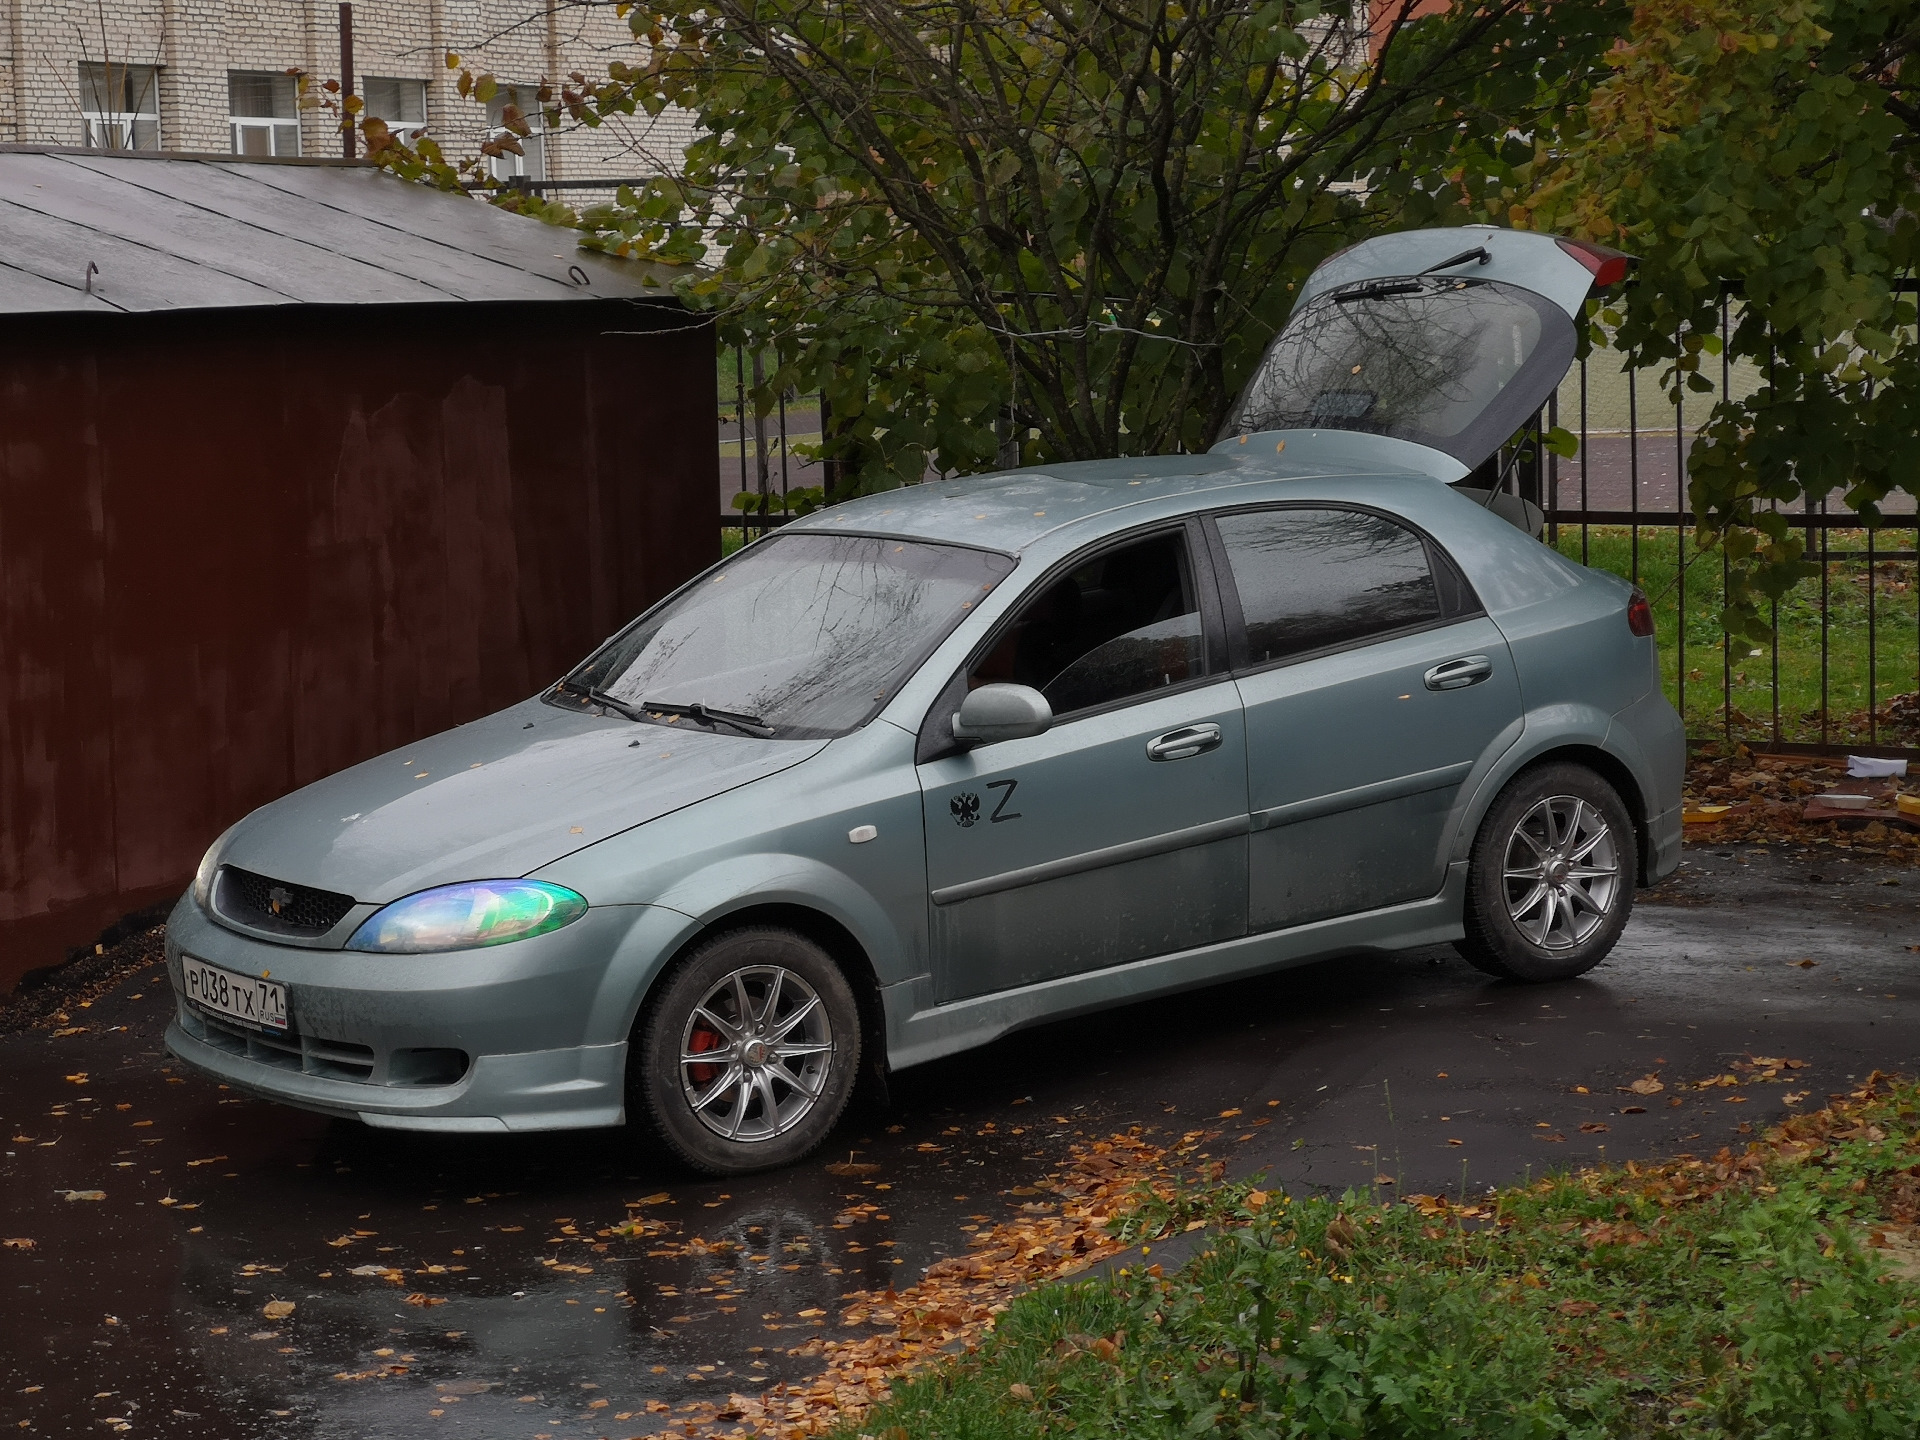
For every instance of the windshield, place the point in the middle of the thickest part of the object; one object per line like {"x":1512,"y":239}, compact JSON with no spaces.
{"x":1454,"y":364}
{"x":805,"y":635}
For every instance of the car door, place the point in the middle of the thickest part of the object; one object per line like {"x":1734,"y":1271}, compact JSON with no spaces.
{"x":1372,"y":682}
{"x":1120,"y":832}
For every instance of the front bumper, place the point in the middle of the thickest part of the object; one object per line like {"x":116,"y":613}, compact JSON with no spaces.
{"x":530,"y":1035}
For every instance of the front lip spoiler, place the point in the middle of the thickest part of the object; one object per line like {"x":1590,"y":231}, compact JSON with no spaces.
{"x":344,"y":1099}
{"x":580,"y":1087}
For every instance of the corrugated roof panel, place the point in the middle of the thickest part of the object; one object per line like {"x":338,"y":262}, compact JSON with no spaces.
{"x":462,"y":224}
{"x":182,"y":232}
{"x":131,"y":276}
{"x":292,"y":269}
{"x":23,"y":290}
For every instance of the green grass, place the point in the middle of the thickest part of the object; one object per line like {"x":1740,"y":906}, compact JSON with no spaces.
{"x":1735,"y":1299}
{"x":1799,"y":641}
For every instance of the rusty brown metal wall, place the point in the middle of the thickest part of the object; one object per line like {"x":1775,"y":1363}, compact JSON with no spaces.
{"x":240,"y":550}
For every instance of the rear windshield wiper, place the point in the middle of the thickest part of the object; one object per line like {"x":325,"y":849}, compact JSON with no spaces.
{"x":700,"y":710}
{"x":1378,"y":290}
{"x":598,"y":697}
{"x":1479,"y":252}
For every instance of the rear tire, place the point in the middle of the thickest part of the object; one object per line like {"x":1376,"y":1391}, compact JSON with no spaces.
{"x":780,"y":1022}
{"x":1550,"y":882}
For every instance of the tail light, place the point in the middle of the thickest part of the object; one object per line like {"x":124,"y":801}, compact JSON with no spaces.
{"x":1607,"y":266}
{"x":1640,"y":614}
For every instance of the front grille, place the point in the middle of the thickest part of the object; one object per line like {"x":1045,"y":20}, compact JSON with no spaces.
{"x":302,"y":1054}
{"x":277,"y":905}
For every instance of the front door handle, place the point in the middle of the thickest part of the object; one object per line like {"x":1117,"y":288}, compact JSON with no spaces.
{"x":1458,"y":674}
{"x":1187,"y":741}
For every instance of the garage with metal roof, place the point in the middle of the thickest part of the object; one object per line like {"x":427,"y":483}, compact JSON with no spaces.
{"x":299,"y":462}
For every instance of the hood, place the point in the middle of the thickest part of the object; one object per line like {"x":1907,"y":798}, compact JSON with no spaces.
{"x":499,"y":797}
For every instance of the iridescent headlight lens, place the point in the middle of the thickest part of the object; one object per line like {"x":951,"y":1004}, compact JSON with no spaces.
{"x":209,"y":863}
{"x":465,"y":916}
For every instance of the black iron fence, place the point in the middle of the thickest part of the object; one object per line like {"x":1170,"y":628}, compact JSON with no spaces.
{"x":1842,"y":666}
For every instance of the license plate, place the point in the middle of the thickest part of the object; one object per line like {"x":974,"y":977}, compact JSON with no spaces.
{"x":259,"y":1003}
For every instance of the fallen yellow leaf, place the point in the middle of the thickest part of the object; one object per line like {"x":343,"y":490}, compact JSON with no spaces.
{"x":277,"y":1309}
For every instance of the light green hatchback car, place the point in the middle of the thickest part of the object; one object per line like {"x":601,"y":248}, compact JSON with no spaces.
{"x":933,"y":765}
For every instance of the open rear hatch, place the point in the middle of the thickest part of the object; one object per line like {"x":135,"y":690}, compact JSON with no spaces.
{"x":1449,"y":339}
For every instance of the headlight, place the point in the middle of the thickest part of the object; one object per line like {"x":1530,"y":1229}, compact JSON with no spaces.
{"x":209,"y":864}
{"x":461,"y":917}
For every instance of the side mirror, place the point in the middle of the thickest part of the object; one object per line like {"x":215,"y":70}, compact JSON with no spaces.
{"x":1002,"y":712}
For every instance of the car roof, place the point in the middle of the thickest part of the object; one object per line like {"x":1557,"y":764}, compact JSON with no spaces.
{"x":1012,"y":510}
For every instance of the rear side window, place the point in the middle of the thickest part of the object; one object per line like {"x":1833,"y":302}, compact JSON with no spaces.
{"x":1310,"y":579}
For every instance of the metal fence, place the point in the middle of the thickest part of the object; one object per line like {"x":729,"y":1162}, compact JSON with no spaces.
{"x":757,"y":456}
{"x":1842,"y":667}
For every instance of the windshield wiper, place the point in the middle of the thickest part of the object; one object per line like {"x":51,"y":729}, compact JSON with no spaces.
{"x":1479,"y":252}
{"x":1378,"y":290}
{"x":598,"y":697}
{"x":700,"y":710}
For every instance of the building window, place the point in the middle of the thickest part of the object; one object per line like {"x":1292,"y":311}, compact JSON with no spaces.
{"x":262,"y":110}
{"x":531,"y":164}
{"x":401,"y":103}
{"x":120,"y":106}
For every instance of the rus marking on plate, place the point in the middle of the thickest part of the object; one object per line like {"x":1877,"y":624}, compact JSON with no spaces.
{"x":966,"y":809}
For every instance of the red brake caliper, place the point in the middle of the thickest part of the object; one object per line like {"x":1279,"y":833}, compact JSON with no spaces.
{"x":702,"y":1041}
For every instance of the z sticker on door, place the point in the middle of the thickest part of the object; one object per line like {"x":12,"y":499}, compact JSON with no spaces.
{"x":965,"y":806}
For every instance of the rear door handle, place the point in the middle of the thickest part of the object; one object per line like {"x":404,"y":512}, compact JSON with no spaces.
{"x":1187,"y":741}
{"x":1458,"y":674}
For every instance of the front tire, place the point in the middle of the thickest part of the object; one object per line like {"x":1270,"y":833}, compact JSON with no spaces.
{"x":1550,"y":882}
{"x":748,"y":1052}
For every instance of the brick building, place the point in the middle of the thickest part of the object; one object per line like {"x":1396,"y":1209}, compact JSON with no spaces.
{"x":212,"y":76}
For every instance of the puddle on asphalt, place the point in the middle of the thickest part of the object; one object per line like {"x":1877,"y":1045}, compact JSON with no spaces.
{"x":575,"y":1283}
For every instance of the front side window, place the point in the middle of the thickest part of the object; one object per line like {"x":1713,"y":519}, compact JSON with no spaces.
{"x":401,"y":104}
{"x":1123,"y":624}
{"x":1309,"y":579}
{"x":1453,"y":364}
{"x":263,"y":113}
{"x":805,"y":636}
{"x":120,"y":106}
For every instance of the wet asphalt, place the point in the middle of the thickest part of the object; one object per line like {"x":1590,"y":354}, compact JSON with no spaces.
{"x":478,"y":1286}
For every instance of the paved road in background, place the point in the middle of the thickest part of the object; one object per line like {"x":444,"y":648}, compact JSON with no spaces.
{"x":146,"y":1305}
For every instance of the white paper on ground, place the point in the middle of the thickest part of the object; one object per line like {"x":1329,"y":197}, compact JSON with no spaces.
{"x":1866,"y":767}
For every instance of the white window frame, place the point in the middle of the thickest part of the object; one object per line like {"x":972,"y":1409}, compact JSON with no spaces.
{"x":274,"y":125}
{"x":511,"y":166}
{"x":407,"y":132}
{"x":96,"y":124}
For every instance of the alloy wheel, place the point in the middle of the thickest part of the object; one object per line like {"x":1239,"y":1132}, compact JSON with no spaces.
{"x":1561,"y":873}
{"x":755,"y":1053}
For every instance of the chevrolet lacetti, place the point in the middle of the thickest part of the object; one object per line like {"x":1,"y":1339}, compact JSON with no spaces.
{"x":936,"y":764}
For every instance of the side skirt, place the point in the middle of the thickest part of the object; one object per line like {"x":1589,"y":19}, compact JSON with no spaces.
{"x":919,"y":1031}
